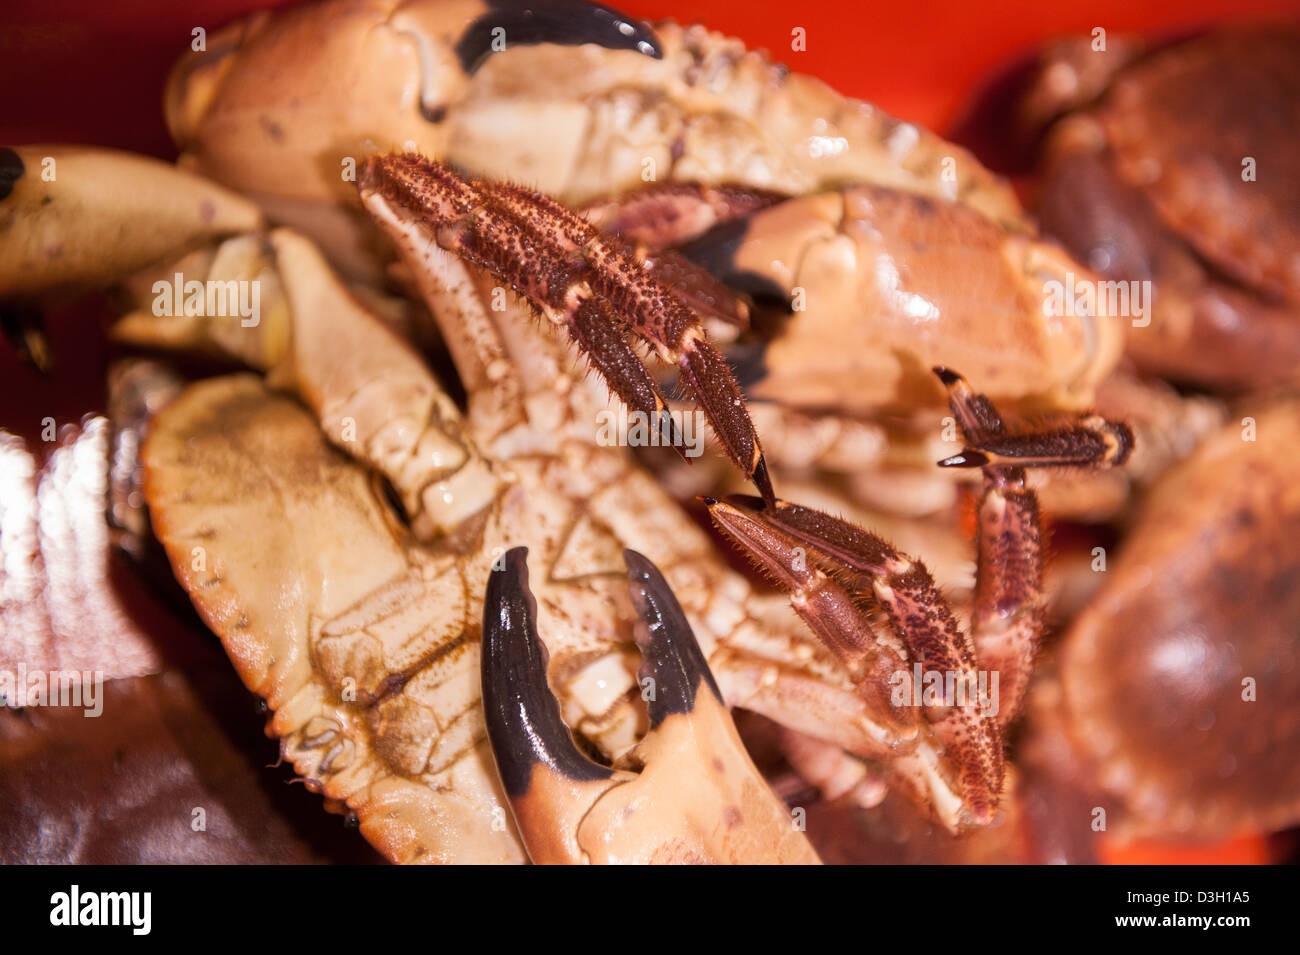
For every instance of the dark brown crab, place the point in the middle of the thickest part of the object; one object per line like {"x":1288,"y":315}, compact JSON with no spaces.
{"x":1170,"y":702}
{"x":1176,"y":167}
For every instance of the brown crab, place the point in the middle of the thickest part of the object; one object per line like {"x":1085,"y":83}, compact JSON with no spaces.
{"x":1170,"y":701}
{"x":355,"y":377}
{"x":388,"y":459}
{"x":1170,"y":166}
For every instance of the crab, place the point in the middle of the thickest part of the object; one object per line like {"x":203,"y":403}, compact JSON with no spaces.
{"x":1163,"y":166}
{"x":1168,"y":703}
{"x":356,"y":644}
{"x":1076,"y":378}
{"x":626,"y":106}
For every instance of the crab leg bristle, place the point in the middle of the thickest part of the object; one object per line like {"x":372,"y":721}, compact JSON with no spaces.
{"x":840,"y":619}
{"x":785,"y":537}
{"x":1007,"y":616}
{"x":1091,"y":441}
{"x":558,"y":261}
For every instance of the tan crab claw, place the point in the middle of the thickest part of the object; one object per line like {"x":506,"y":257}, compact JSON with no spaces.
{"x":699,"y":798}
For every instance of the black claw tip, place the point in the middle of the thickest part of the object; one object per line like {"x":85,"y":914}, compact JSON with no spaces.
{"x":946,"y":375}
{"x":523,"y":717}
{"x":671,"y":657}
{"x":969,"y":458}
{"x":763,"y":481}
{"x":708,"y":501}
{"x":566,"y":22}
{"x":1124,"y":440}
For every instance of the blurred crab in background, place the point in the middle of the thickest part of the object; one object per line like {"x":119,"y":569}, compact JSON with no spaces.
{"x":1171,"y":165}
{"x":893,"y":245}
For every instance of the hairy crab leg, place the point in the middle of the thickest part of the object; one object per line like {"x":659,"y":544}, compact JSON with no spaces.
{"x":661,"y":216}
{"x":698,"y":798}
{"x":560,"y":262}
{"x":837,"y":572}
{"x":1007,"y":615}
{"x":840,"y":571}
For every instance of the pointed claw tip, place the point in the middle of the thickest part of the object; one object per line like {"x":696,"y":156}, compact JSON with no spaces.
{"x":524,"y":725}
{"x":969,"y":458}
{"x":763,"y":481}
{"x":513,"y":560}
{"x":708,"y":501}
{"x":946,"y":375}
{"x":638,"y":565}
{"x":671,"y":656}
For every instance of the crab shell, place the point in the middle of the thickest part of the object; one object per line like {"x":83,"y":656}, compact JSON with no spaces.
{"x":1180,"y":173}
{"x":573,"y":121}
{"x":1178,"y":680}
{"x":931,"y":263}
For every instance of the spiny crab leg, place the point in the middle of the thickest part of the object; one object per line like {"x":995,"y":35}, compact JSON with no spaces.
{"x":698,"y":798}
{"x":586,"y":282}
{"x":838,"y":574}
{"x":1007,"y":614}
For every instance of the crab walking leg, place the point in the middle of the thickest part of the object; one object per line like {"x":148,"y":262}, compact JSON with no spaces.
{"x":1090,"y":441}
{"x":665,"y":215}
{"x":854,"y":566}
{"x":1007,"y":616}
{"x":699,"y":797}
{"x":559,"y":262}
{"x":872,"y":655}
{"x":626,"y":278}
{"x":644,"y":225}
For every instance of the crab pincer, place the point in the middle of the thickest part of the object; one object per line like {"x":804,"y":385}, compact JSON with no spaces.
{"x":699,"y":798}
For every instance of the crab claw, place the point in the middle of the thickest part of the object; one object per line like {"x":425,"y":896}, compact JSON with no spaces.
{"x":699,"y":798}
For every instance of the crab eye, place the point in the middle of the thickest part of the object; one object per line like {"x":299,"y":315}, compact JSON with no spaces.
{"x":566,"y":22}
